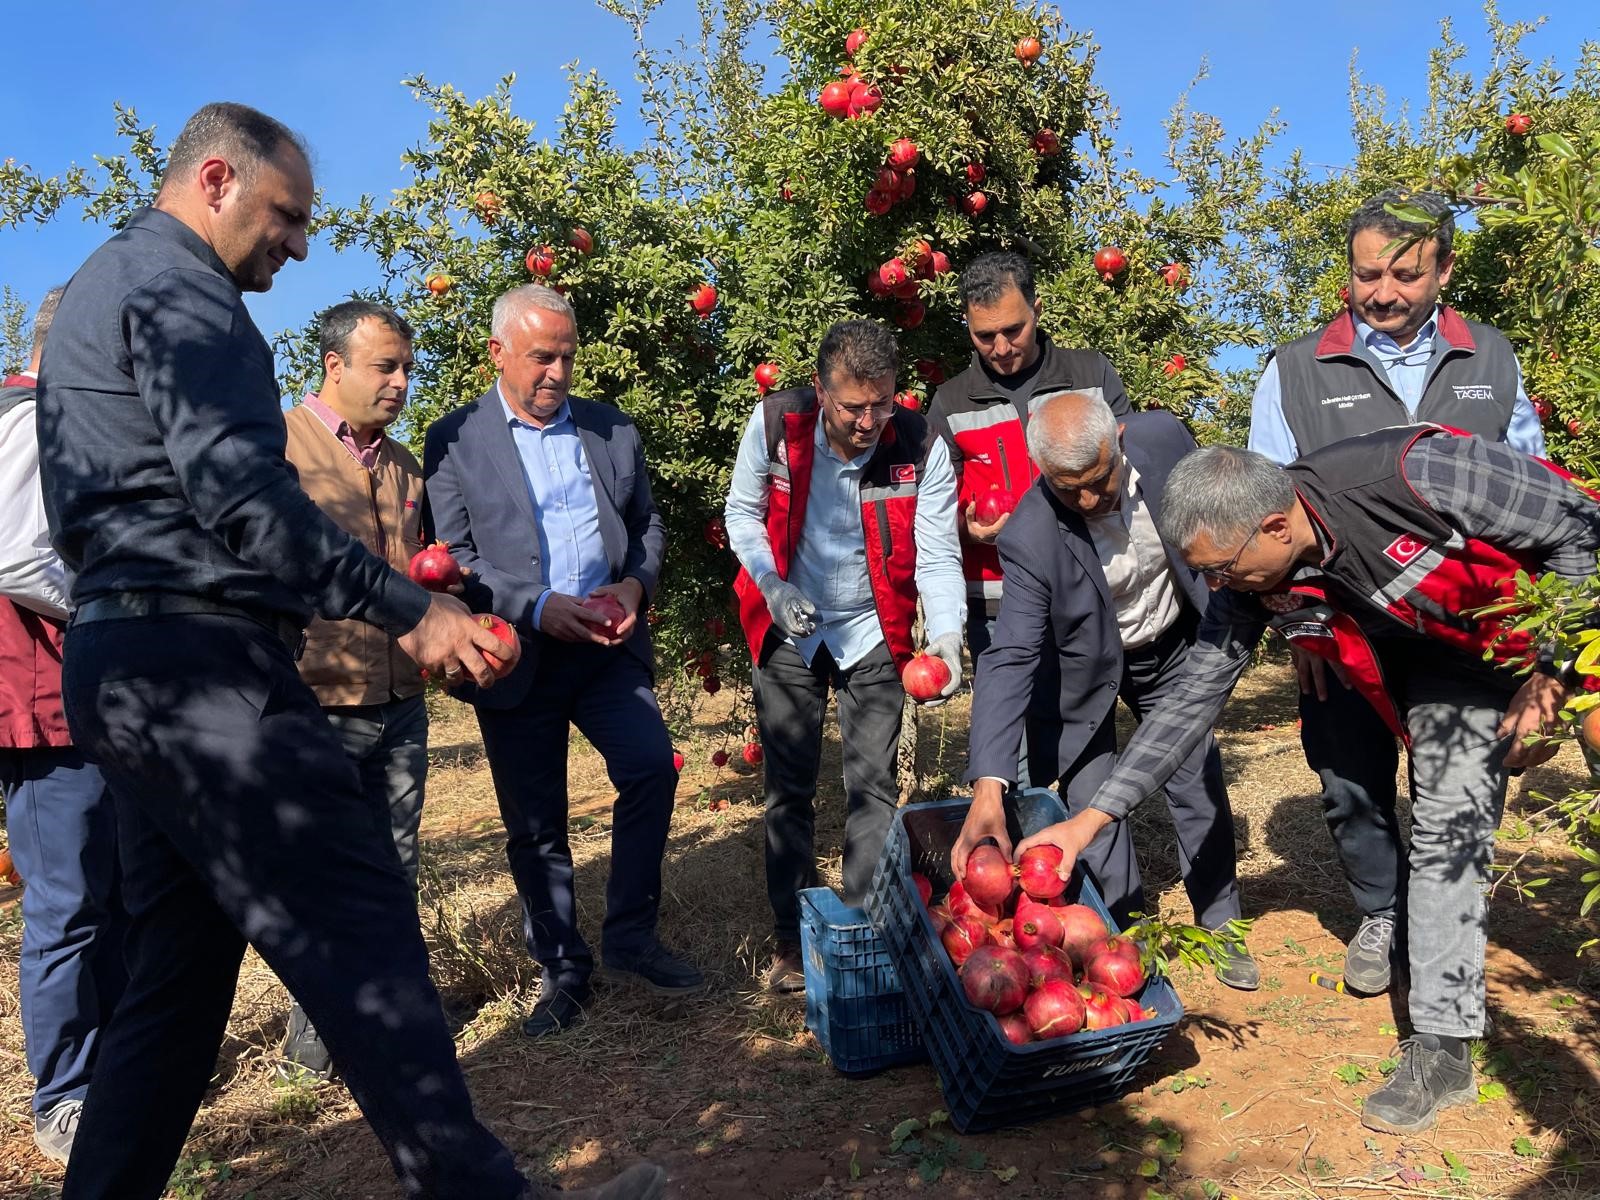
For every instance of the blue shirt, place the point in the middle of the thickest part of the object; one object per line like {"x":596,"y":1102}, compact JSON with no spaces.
{"x":565,"y":511}
{"x":829,"y":565}
{"x":1406,"y":368}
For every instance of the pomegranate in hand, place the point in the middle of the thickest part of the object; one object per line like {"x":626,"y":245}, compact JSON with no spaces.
{"x":925,"y":677}
{"x":434,"y":568}
{"x":604,"y":604}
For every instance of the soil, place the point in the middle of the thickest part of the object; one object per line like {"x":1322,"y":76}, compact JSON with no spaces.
{"x":1252,"y":1095}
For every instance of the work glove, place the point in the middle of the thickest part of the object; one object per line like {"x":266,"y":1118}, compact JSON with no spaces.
{"x":947,"y":646}
{"x":791,"y":611}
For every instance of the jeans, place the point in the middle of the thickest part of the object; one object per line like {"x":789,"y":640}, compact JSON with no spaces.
{"x":791,"y":698}
{"x":62,"y":827}
{"x":389,"y":745}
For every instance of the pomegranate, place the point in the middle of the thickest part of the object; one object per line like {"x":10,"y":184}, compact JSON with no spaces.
{"x":887,"y":180}
{"x":1589,"y":730}
{"x":719,"y":758}
{"x":434,"y":568}
{"x":716,"y":626}
{"x":716,"y":533}
{"x":1047,"y":143}
{"x":767,"y":376}
{"x":1110,"y":262}
{"x":1113,"y":963}
{"x":1014,"y":1028}
{"x":1001,"y":933}
{"x":963,"y":935}
{"x":1100,"y":1009}
{"x":865,"y":99}
{"x":988,"y":879}
{"x":1542,"y":409}
{"x":903,"y":154}
{"x":1053,"y":1009}
{"x":976,"y":173}
{"x":855,"y":41}
{"x":878,"y":203}
{"x":940,"y":915}
{"x":909,"y":290}
{"x":1173,"y":365}
{"x":506,"y":634}
{"x":973,"y":203}
{"x":1518,"y":124}
{"x":908,"y":400}
{"x":1037,"y":871}
{"x":1130,"y":1011}
{"x":893,"y":273}
{"x":703,"y":299}
{"x":1176,"y":275}
{"x":1575,"y":427}
{"x":712,"y":685}
{"x":753,"y":754}
{"x":931,"y":370}
{"x":961,"y":903}
{"x":992,"y":505}
{"x":995,"y":978}
{"x":908,"y":186}
{"x":580,"y":239}
{"x":835,"y":99}
{"x":438,"y":284}
{"x":1036,"y":925}
{"x":608,"y":606}
{"x":924,"y":887}
{"x":677,"y":760}
{"x":1045,"y":963}
{"x":488,"y":205}
{"x":1028,"y":50}
{"x":541,"y":261}
{"x":939,"y":262}
{"x":925,"y":677}
{"x":1081,"y":927}
{"x":910,"y":314}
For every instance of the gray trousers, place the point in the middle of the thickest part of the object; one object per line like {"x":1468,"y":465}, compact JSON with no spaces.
{"x":791,"y":698}
{"x":389,"y":744}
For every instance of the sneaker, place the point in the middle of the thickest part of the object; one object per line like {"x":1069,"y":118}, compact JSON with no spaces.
{"x":1367,"y":959}
{"x":658,"y":969}
{"x":53,"y":1132}
{"x":1237,"y":968}
{"x":787,"y":974}
{"x":559,"y":1008}
{"x":303,"y":1052}
{"x":1429,"y":1078}
{"x":643,"y":1181}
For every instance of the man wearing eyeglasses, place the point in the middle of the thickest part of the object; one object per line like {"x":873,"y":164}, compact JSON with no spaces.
{"x":842,"y":512}
{"x":1097,"y":606}
{"x":1375,"y":553}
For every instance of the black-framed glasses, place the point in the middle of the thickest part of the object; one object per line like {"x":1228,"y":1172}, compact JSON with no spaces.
{"x":1225,"y":571}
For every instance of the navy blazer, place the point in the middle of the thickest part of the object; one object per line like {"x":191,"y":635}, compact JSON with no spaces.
{"x":480,"y":505}
{"x":1057,"y":654}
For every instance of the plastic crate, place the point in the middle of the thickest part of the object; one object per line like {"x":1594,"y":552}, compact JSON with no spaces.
{"x":988,"y":1082}
{"x":854,"y":1003}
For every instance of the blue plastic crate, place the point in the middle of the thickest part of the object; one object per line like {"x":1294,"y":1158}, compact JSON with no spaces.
{"x":988,"y":1082}
{"x":853,"y":999}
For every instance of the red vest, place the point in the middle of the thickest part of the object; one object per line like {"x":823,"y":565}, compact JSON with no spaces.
{"x":889,"y":485}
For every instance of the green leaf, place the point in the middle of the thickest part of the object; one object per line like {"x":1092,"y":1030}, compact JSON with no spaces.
{"x":855,"y":1166}
{"x":931,"y":1170}
{"x":1149,"y":1168}
{"x":1005,"y":1174}
{"x":1489,"y":1092}
{"x":1555,"y":143}
{"x":1524,"y":1148}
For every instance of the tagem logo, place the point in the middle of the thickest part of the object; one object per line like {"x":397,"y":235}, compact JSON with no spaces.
{"x":1472,"y":391}
{"x":1405,"y":549}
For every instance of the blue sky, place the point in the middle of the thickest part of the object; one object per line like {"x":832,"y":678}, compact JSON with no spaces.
{"x":334,"y":74}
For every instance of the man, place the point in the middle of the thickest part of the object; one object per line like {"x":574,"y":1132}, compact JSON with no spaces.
{"x":199,"y":561}
{"x":545,"y":499}
{"x":371,"y":486}
{"x":1370,"y":552}
{"x":841,"y":512}
{"x":60,"y":820}
{"x":1396,"y":357}
{"x":1097,"y":606}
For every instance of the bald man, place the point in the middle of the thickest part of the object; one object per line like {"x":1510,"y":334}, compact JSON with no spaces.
{"x":1097,"y":606}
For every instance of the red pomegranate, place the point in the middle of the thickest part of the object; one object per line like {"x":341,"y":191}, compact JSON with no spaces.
{"x":976,"y":173}
{"x":434,"y":568}
{"x":995,"y":978}
{"x":1036,"y":925}
{"x":924,"y":888}
{"x":973,"y":203}
{"x":1100,"y":1009}
{"x":608,"y":606}
{"x":1001,"y":933}
{"x":703,"y":299}
{"x":767,"y":375}
{"x":1130,"y":1011}
{"x":992,"y":505}
{"x":677,"y":760}
{"x":893,"y":273}
{"x":963,"y":935}
{"x":878,"y":202}
{"x":988,"y":879}
{"x":855,"y":41}
{"x":506,"y":634}
{"x":835,"y":99}
{"x":1045,"y":963}
{"x":925,"y":677}
{"x":903,"y":154}
{"x":1113,"y":963}
{"x":1053,"y":1009}
{"x":1014,"y":1028}
{"x":940,"y":915}
{"x":961,"y":903}
{"x":1081,"y":927}
{"x":1037,"y":871}
{"x":719,"y":758}
{"x":1110,"y":262}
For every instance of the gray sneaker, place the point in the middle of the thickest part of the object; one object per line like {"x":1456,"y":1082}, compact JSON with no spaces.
{"x":1429,"y":1078}
{"x":53,"y":1132}
{"x":1367,"y":958}
{"x":642,"y":1181}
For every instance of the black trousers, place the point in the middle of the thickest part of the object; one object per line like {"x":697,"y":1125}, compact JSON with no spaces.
{"x":606,"y":692}
{"x":1197,"y":797}
{"x":1355,"y":755}
{"x":791,"y":698}
{"x":241,"y":818}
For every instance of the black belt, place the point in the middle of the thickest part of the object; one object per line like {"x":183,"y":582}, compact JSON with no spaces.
{"x":124,"y":606}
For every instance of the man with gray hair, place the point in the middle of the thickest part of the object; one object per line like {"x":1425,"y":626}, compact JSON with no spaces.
{"x":842,"y":513}
{"x":1373,"y":553}
{"x":1096,"y":605}
{"x":1395,"y":357}
{"x":544,"y":499}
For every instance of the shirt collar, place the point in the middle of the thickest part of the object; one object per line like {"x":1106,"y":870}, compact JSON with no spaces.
{"x":560,"y":416}
{"x":1375,"y":339}
{"x":337,"y":424}
{"x":166,"y":225}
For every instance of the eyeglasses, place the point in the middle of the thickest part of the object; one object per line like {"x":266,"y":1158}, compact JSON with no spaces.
{"x":1225,"y":571}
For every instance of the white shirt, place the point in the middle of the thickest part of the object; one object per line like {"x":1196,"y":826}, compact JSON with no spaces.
{"x":1137,"y":570}
{"x":31,"y":573}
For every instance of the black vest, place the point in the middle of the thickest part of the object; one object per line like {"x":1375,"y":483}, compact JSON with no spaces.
{"x":1331,"y":390}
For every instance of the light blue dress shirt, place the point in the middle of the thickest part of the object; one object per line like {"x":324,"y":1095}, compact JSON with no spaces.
{"x":830,"y":563}
{"x":565,"y":511}
{"x":1407,"y":371}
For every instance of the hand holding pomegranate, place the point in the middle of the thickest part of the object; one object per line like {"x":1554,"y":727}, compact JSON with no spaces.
{"x":1071,"y":837}
{"x":977,"y":529}
{"x":449,"y":644}
{"x":986,"y":821}
{"x":629,"y":594}
{"x":945,"y":649}
{"x":566,"y":618}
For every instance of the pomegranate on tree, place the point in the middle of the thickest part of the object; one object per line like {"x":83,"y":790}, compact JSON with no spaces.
{"x":976,"y":173}
{"x":703,"y":299}
{"x":893,"y":273}
{"x":1047,"y":143}
{"x":1110,"y":262}
{"x":752,"y":754}
{"x":438,"y":284}
{"x":541,"y":261}
{"x":766,"y":376}
{"x":719,"y":758}
{"x":910,"y":314}
{"x":1176,"y":275}
{"x":434,"y":568}
{"x":903,"y":154}
{"x":973,"y":203}
{"x":580,"y":240}
{"x":1518,"y":124}
{"x":857,"y":39}
{"x":878,"y":202}
{"x":835,"y":99}
{"x":1028,"y":50}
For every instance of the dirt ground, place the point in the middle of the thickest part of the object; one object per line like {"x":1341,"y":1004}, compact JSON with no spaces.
{"x":1253,"y":1095}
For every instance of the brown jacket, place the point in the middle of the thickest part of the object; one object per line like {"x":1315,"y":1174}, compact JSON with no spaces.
{"x":351,"y":662}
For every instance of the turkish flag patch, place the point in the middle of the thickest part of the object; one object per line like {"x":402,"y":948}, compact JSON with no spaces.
{"x":1405,"y":548}
{"x":904,"y":473}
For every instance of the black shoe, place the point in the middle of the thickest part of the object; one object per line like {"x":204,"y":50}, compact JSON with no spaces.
{"x":1236,"y":968}
{"x":559,"y":1008}
{"x":1429,"y":1078}
{"x":658,"y":969}
{"x":303,"y":1051}
{"x":786,"y":974}
{"x":1367,"y":959}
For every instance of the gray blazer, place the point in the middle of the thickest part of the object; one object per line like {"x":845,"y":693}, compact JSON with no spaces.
{"x":1056,"y":654}
{"x":480,"y":506}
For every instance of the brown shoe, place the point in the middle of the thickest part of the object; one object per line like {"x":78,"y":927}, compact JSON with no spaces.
{"x":643,"y":1181}
{"x":787,"y":974}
